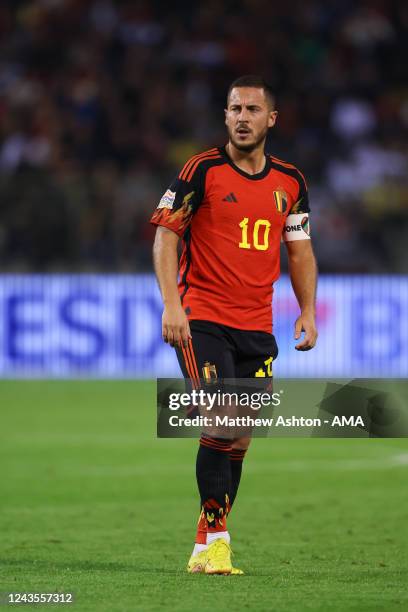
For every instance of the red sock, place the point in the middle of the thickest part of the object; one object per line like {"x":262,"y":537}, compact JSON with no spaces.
{"x":216,"y":515}
{"x":201,"y":535}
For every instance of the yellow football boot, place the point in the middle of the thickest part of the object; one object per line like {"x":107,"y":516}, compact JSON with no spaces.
{"x":218,"y":558}
{"x":197,"y":563}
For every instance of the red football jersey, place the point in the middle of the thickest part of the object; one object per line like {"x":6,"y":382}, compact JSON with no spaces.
{"x":232,"y":223}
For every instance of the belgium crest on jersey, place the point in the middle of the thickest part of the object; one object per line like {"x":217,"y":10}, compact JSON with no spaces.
{"x":281,"y":201}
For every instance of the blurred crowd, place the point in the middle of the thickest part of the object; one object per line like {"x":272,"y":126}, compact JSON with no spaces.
{"x":101,"y":102}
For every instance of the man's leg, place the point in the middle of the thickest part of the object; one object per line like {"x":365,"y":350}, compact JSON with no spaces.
{"x":213,"y":473}
{"x":258,"y":350}
{"x":239,"y":448}
{"x":210,"y":349}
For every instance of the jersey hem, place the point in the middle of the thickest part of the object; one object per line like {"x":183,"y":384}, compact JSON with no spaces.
{"x":226,"y":324}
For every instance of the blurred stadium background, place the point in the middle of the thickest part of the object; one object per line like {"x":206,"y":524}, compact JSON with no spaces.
{"x":101,"y":103}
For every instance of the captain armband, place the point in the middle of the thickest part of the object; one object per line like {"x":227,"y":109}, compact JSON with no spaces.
{"x":296,"y":227}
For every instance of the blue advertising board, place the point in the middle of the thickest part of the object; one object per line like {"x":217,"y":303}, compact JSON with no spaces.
{"x":109,"y":326}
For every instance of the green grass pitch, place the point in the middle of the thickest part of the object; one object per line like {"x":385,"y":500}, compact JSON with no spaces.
{"x":93,"y":503}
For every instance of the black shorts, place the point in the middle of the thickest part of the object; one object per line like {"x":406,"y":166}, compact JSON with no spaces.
{"x":218,"y":351}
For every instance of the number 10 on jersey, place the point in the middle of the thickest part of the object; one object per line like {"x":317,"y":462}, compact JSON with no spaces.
{"x":256,"y":231}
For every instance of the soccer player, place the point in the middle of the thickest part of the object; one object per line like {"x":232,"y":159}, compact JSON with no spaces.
{"x":231,"y":206}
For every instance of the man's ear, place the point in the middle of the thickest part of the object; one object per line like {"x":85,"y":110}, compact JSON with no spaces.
{"x":225,"y":114}
{"x":273,"y":115}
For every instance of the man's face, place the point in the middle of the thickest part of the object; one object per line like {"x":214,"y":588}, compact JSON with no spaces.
{"x":248,"y":117}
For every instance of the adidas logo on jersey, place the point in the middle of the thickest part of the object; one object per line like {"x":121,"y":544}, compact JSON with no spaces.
{"x":230,"y":198}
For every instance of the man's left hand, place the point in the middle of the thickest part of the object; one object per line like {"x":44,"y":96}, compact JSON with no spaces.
{"x":305,"y":323}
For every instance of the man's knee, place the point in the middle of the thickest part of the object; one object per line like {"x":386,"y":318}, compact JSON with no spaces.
{"x":241,"y":443}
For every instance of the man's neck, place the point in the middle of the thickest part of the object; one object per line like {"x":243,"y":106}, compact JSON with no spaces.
{"x":252,"y":162}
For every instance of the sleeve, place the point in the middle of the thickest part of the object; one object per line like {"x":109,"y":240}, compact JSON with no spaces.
{"x":297,"y":226}
{"x":180,"y":202}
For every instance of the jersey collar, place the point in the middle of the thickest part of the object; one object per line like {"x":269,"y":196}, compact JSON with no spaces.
{"x":252,"y":177}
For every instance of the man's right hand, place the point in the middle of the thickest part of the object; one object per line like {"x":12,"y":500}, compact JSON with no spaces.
{"x":175,"y":325}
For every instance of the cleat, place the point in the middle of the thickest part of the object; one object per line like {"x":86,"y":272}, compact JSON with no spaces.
{"x":196,"y":565}
{"x":218,"y":558}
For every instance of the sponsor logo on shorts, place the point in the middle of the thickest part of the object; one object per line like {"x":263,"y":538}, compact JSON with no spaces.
{"x":210,"y":373}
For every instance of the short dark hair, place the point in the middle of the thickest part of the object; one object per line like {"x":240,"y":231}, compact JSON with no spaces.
{"x":254,"y":80}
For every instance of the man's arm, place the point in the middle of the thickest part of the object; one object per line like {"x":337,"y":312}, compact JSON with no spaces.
{"x":303,"y":275}
{"x":175,"y":326}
